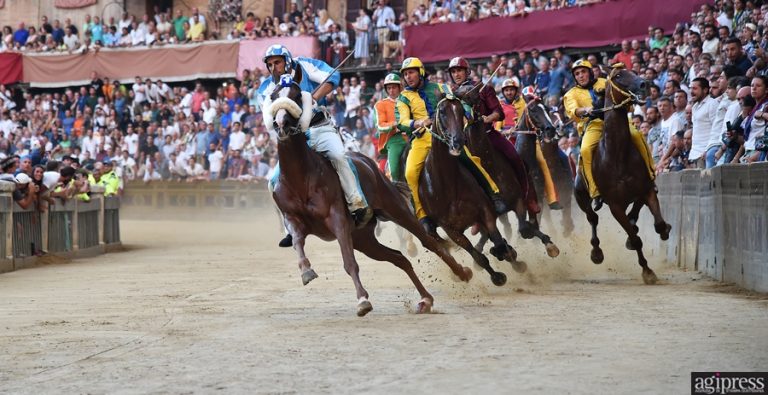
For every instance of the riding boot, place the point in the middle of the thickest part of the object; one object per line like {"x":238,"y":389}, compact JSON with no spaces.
{"x":362,"y":216}
{"x":498,"y":203}
{"x":598,"y":203}
{"x":287,"y":241}
{"x":430,"y":227}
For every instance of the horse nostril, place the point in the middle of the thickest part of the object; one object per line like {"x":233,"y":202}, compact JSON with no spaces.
{"x":643,"y":85}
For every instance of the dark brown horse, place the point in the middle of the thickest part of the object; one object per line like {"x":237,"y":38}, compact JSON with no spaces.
{"x":453,"y":197}
{"x":510,"y":186}
{"x":536,"y":127}
{"x":620,"y":172}
{"x":310,"y":197}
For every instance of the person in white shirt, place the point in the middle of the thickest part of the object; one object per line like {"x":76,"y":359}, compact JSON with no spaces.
{"x":710,"y":43}
{"x":164,"y":91}
{"x":237,"y":137}
{"x":215,"y":159}
{"x":670,"y":123}
{"x":186,"y":102}
{"x":125,"y":22}
{"x":70,"y":40}
{"x":727,"y":111}
{"x":152,"y":93}
{"x":132,"y":141}
{"x":704,"y":112}
{"x":139,"y":92}
{"x":209,"y":112}
{"x":238,"y":113}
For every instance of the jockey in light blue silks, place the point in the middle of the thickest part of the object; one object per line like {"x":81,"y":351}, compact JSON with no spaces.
{"x":322,"y":134}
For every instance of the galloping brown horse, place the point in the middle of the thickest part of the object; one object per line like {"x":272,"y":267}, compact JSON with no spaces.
{"x":310,"y":197}
{"x":510,"y":186}
{"x":536,"y":127}
{"x":453,"y":197}
{"x":620,"y":173}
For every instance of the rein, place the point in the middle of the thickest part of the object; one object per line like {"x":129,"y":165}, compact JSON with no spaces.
{"x":630,"y":97}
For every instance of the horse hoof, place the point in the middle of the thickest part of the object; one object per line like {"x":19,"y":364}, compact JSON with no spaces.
{"x":499,"y":279}
{"x":286,"y":241}
{"x":665,"y":233}
{"x":363,"y":308}
{"x":649,"y":277}
{"x":424,"y":307}
{"x":512,"y":256}
{"x":628,"y":244}
{"x":597,"y":256}
{"x":552,"y":250}
{"x":468,"y":273}
{"x":519,"y":266}
{"x":308,"y":276}
{"x":526,"y":233}
{"x":411,"y":250}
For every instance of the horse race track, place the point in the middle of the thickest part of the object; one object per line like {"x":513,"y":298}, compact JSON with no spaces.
{"x":201,"y":307}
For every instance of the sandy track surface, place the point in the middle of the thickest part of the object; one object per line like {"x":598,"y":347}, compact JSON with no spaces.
{"x":209,"y":307}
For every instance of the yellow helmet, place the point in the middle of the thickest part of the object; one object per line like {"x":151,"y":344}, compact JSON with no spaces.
{"x":413,"y":63}
{"x":581,"y":63}
{"x":510,"y":83}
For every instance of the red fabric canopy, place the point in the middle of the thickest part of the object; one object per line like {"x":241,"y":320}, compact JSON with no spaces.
{"x":577,"y":27}
{"x":73,"y":3}
{"x":10,"y":68}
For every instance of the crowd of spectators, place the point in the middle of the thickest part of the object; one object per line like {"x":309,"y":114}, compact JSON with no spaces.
{"x":375,"y":33}
{"x":706,"y":107}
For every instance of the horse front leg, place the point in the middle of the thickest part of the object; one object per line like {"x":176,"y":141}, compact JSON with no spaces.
{"x":299,"y":236}
{"x":341,"y":225}
{"x":462,"y":241}
{"x":584,"y":202}
{"x":619,"y":212}
{"x":661,"y":226}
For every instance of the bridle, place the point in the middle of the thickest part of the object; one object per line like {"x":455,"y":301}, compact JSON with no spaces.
{"x":291,"y":130}
{"x":532,"y":128}
{"x":438,"y":130}
{"x":630,"y":97}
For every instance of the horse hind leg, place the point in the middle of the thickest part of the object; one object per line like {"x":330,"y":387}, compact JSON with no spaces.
{"x":365,"y":242}
{"x":583,"y":200}
{"x":406,"y":242}
{"x":497,"y":278}
{"x":649,"y":277}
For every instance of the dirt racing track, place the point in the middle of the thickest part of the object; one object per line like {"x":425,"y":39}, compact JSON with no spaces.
{"x":203,"y":307}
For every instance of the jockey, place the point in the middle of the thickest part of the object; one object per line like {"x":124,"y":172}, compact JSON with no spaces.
{"x":580,"y":103}
{"x":323,"y":137}
{"x":512,"y":104}
{"x":391,"y":140}
{"x":413,"y":112}
{"x":489,"y":110}
{"x":550,"y":192}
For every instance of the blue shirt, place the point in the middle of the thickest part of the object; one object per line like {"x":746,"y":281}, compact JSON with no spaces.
{"x":97,"y":33}
{"x":556,"y":80}
{"x":58,"y":35}
{"x":313,"y":72}
{"x":542,"y":82}
{"x":67,"y":124}
{"x":21,"y":36}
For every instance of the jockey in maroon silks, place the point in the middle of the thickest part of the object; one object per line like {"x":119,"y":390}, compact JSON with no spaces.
{"x":488,"y":109}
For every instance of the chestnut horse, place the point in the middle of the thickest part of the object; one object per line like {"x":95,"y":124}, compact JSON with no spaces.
{"x":309,"y":194}
{"x":620,"y":172}
{"x":453,"y":197}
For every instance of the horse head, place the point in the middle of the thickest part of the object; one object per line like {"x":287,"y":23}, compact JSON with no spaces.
{"x":448,"y":125}
{"x":537,"y":120}
{"x":288,"y":110}
{"x":625,"y":87}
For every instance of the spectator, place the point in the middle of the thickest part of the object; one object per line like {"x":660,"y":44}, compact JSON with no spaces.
{"x":362,"y":25}
{"x":736,"y":56}
{"x":704,"y":109}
